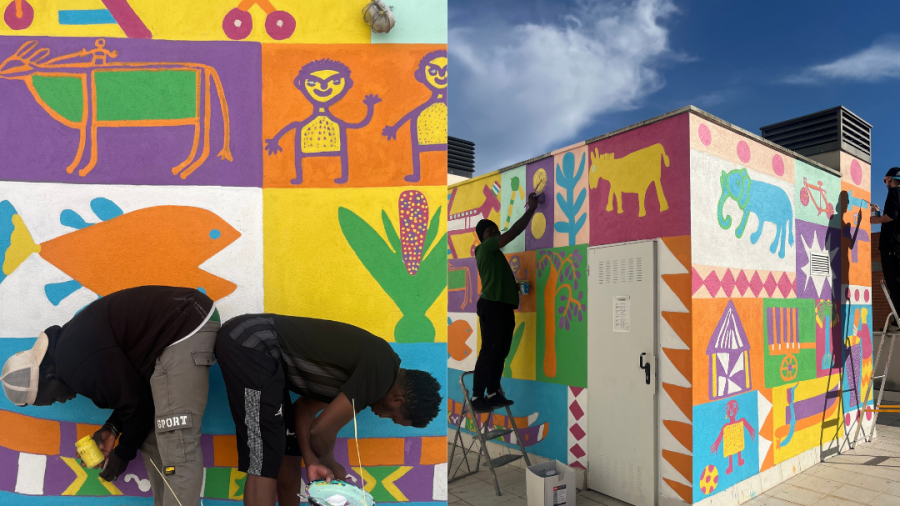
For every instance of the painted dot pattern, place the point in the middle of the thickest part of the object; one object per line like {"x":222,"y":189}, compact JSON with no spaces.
{"x":743,"y":151}
{"x":413,"y":228}
{"x":215,"y":233}
{"x":321,"y":135}
{"x":856,"y":172}
{"x":432,"y":124}
{"x":705,"y":135}
{"x":778,"y":165}
{"x":709,"y":479}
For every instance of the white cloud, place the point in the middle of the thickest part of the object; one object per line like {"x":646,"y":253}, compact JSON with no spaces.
{"x":879,"y":61}
{"x":526,"y":88}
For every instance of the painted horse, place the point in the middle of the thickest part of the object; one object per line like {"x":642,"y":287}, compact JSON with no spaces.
{"x":86,"y":95}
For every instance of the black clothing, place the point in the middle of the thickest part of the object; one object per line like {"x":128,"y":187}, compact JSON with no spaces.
{"x":890,"y":267}
{"x":108,"y":351}
{"x":498,"y":322}
{"x":891,"y":210}
{"x":321,"y":358}
{"x":262,"y":356}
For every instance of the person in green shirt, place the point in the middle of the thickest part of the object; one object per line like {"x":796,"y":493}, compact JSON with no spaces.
{"x":496,"y":308}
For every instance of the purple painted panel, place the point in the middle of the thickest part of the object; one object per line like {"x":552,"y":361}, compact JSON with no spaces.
{"x":417,"y":484}
{"x":57,"y":477}
{"x":463,"y":291}
{"x":9,"y":460}
{"x":818,"y":261}
{"x":545,"y":240}
{"x":38,"y":146}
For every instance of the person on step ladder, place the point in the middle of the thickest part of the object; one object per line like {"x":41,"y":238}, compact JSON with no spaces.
{"x":889,"y":241}
{"x":496,"y":308}
{"x":334,"y":367}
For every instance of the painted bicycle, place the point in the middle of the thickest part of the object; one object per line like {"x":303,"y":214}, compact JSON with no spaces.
{"x":820,"y":202}
{"x":238,"y":23}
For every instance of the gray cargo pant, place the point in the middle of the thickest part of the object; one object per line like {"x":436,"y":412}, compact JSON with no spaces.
{"x":180,"y":385}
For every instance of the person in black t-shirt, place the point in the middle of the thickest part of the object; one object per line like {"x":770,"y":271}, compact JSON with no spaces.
{"x":145,"y":353}
{"x":888,"y":242}
{"x":334,"y":367}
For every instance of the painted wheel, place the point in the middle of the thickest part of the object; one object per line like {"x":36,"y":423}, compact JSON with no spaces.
{"x":16,"y":22}
{"x":829,"y":210}
{"x":237,"y":24}
{"x":280,"y":25}
{"x":789,"y":368}
{"x":804,"y":196}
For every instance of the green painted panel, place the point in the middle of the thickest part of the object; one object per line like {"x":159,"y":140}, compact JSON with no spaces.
{"x":62,"y":94}
{"x":146,"y":95}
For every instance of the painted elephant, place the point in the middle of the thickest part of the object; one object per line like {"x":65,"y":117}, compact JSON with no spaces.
{"x":768,"y":202}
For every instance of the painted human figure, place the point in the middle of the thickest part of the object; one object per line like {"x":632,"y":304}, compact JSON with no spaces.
{"x":427,"y":122}
{"x":323,"y":83}
{"x":733,"y":435}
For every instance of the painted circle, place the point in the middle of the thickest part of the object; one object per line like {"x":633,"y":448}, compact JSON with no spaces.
{"x":789,"y":367}
{"x":538,"y":225}
{"x":709,"y":479}
{"x":847,"y":419}
{"x":778,"y":165}
{"x":804,"y":196}
{"x":280,"y":25}
{"x":856,"y":295}
{"x":215,"y":233}
{"x":866,"y":295}
{"x":868,"y":415}
{"x":856,"y":172}
{"x":237,"y":24}
{"x":705,"y":135}
{"x":743,"y":151}
{"x":15,"y":22}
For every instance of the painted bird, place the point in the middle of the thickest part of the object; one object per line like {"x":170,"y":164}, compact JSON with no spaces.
{"x":161,"y":245}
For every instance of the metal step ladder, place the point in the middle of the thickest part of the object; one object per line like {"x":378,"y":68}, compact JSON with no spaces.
{"x":482,"y":436}
{"x":878,"y":407}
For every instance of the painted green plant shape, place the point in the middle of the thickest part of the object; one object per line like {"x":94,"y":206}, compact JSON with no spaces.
{"x":514,"y":348}
{"x":411,"y":281}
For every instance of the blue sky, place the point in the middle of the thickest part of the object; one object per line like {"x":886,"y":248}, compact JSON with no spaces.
{"x":536,"y":75}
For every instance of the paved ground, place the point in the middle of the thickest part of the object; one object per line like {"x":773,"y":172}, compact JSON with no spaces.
{"x":868,"y":475}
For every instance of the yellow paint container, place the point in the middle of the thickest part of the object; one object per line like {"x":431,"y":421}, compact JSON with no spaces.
{"x":89,"y":451}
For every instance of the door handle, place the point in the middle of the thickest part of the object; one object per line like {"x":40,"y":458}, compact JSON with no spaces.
{"x":646,"y":368}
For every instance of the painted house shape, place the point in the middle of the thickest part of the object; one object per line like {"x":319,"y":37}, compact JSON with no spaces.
{"x":729,"y":360}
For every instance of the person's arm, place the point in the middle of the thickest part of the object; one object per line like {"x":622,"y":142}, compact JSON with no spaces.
{"x":109,"y":378}
{"x":324,"y":430}
{"x":520,"y":224}
{"x":891,"y":208}
{"x":305,"y":411}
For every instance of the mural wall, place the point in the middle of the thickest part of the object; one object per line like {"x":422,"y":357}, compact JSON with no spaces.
{"x":764,"y":291}
{"x":277,"y":155}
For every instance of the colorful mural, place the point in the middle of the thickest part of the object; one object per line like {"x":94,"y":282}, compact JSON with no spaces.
{"x":764,"y":286}
{"x":276,"y":155}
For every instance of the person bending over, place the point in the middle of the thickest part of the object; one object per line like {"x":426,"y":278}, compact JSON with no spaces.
{"x":145,"y":353}
{"x":496,"y":308}
{"x":333,"y":367}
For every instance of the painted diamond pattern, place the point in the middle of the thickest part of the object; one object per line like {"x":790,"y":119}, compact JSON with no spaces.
{"x":577,"y":431}
{"x":728,"y":281}
{"x":577,"y":437}
{"x":756,"y":284}
{"x":721,"y":282}
{"x":577,"y":451}
{"x":741,"y":283}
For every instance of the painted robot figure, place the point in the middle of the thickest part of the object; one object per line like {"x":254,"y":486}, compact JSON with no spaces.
{"x":427,"y":122}
{"x":324,"y":83}
{"x":732,"y":434}
{"x":145,"y":353}
{"x":335,"y":368}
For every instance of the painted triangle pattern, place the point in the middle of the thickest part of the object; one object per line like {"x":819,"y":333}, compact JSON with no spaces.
{"x":676,"y":448}
{"x":730,"y":283}
{"x":577,"y":433}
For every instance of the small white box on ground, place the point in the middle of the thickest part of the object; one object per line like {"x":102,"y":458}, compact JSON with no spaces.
{"x":550,"y":484}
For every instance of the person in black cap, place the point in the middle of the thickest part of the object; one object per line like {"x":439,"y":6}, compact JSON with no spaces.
{"x":889,"y":242}
{"x":496,"y":308}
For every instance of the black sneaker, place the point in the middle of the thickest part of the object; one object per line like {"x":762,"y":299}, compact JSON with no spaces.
{"x":498,"y":400}
{"x":480,"y":405}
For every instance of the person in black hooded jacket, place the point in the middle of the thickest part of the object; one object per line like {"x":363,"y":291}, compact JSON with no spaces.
{"x":145,"y":353}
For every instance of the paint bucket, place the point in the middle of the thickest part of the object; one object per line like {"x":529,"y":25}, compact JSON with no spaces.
{"x":337,"y":493}
{"x":523,"y":287}
{"x":876,"y":213}
{"x":89,"y":451}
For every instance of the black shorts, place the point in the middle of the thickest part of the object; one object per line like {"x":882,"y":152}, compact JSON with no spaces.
{"x":259,"y":400}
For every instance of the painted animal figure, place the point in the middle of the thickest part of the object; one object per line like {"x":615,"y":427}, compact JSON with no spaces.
{"x":768,"y":202}
{"x":124,"y":94}
{"x":633,"y":173}
{"x":427,"y":122}
{"x":323,"y":83}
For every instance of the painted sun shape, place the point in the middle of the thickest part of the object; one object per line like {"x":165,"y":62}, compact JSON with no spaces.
{"x":818,"y":263}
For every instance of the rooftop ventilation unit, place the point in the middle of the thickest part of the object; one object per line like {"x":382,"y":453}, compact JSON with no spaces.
{"x":460,"y":157}
{"x":821,"y":132}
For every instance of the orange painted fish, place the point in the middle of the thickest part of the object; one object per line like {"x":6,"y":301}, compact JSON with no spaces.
{"x":162,"y":245}
{"x":458,"y":333}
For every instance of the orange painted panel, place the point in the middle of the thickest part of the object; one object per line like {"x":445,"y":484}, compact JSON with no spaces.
{"x":225,"y":451}
{"x":377,"y":451}
{"x":26,"y":434}
{"x":434,"y":451}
